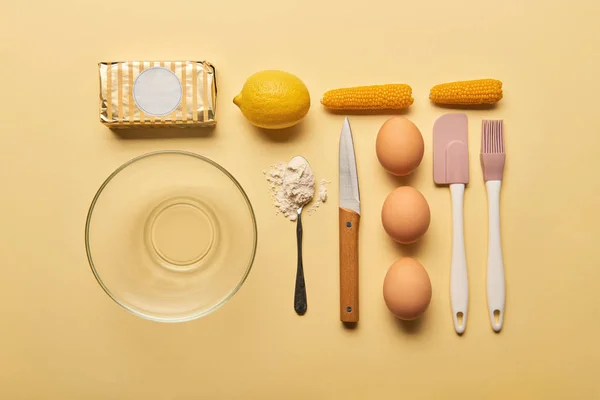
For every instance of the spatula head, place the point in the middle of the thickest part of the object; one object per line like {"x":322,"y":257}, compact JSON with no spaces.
{"x":451,"y":149}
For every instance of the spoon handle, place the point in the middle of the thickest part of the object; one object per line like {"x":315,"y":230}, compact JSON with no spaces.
{"x":300,"y":292}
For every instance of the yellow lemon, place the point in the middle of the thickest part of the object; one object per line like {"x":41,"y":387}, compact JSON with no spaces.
{"x":273,"y":99}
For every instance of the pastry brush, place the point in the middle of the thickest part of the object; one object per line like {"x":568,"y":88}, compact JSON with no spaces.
{"x":492,"y":162}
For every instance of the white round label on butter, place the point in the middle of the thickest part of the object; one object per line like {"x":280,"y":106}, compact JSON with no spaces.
{"x":157,"y":91}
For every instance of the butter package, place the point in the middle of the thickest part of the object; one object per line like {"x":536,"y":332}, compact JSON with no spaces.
{"x":157,"y":94}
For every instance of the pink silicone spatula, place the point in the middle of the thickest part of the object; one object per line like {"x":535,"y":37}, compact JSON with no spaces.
{"x":451,"y":166}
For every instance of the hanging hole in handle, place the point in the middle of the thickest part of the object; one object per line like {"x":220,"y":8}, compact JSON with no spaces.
{"x":497,"y":316}
{"x":460,"y":318}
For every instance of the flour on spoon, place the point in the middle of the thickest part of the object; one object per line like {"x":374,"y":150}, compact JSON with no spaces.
{"x":292,"y":185}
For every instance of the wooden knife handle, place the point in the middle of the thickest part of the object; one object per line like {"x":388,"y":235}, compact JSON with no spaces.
{"x":349,"y":265}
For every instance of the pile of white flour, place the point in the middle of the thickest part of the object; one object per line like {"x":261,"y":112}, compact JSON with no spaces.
{"x":292,"y":186}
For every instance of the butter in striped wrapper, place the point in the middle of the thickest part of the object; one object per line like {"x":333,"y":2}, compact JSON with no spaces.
{"x":157,"y":94}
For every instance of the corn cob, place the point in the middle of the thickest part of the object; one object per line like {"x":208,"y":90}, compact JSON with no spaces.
{"x":376,"y":97}
{"x":480,"y":91}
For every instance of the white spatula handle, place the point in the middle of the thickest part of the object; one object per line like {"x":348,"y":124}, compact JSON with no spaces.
{"x":459,"y":284}
{"x":496,"y":290}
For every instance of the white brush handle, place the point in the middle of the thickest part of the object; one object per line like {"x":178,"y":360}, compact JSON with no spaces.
{"x":496,"y":290}
{"x":459,"y":284}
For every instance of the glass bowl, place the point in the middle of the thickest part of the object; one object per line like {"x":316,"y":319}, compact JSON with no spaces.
{"x":171,"y":236}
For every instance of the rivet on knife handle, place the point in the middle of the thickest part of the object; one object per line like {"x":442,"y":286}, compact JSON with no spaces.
{"x":349,"y":222}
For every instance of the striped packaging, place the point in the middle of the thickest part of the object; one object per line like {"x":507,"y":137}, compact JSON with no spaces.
{"x":157,"y":94}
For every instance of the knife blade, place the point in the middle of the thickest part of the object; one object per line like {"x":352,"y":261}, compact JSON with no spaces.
{"x":349,"y":218}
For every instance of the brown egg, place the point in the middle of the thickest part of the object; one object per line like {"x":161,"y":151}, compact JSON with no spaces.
{"x":399,"y":146}
{"x":405,"y":215}
{"x":407,"y":289}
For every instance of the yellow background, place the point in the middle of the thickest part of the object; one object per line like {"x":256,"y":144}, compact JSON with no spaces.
{"x":61,"y":337}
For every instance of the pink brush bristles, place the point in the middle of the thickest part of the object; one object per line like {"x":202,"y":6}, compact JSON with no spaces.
{"x":492,"y":140}
{"x":492,"y":150}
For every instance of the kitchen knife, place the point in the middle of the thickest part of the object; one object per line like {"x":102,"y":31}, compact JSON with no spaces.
{"x":349,"y":221}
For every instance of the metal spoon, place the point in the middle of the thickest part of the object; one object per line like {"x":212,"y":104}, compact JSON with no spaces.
{"x":300,"y":303}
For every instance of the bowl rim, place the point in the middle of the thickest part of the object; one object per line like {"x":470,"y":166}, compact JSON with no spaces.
{"x":97,"y":275}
